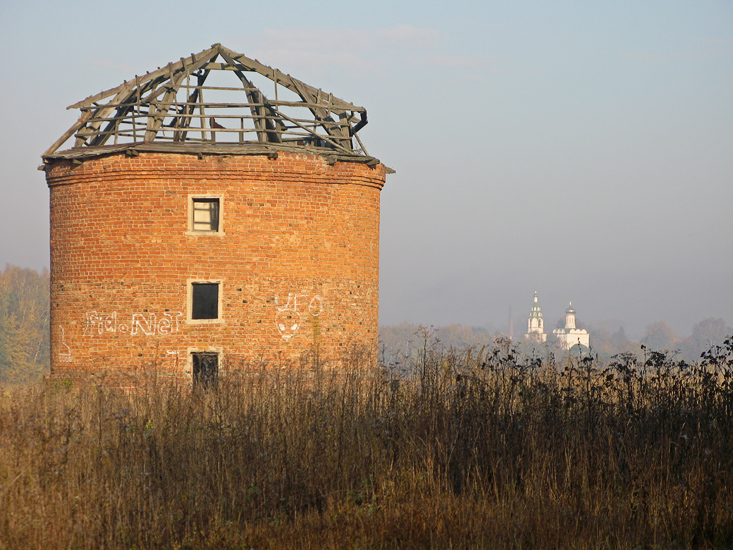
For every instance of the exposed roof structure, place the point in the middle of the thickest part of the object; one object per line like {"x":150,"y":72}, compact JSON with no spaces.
{"x":214,"y":102}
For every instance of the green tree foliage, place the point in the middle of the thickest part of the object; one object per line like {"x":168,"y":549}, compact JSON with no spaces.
{"x":24,"y":324}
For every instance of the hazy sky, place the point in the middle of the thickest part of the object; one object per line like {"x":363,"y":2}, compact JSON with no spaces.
{"x":580,"y":149}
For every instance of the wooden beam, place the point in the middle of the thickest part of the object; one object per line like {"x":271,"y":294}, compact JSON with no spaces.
{"x":70,"y":132}
{"x":311,"y":133}
{"x":161,"y":108}
{"x":103,"y":112}
{"x":148,"y":88}
{"x":271,"y":132}
{"x":138,"y":108}
{"x":191,"y":104}
{"x":142,"y":80}
{"x":284,"y":79}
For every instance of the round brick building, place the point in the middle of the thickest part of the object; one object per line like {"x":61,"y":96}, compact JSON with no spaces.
{"x":189,"y":238}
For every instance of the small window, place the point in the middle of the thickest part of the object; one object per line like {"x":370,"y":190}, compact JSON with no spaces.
{"x":204,"y":300}
{"x":205,"y":214}
{"x":205,"y":369}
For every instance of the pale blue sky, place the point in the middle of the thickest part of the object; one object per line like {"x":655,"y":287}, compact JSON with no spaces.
{"x":580,"y":149}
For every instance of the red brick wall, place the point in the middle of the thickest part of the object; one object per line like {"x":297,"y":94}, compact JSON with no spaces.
{"x":300,"y":250}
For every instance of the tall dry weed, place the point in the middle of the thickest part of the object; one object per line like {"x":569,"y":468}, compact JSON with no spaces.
{"x":468,"y":449}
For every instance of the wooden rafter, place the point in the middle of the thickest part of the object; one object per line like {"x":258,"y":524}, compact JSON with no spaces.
{"x":145,"y":109}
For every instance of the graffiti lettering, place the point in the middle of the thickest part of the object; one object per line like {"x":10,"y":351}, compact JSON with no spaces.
{"x":168,"y":324}
{"x":144,"y":324}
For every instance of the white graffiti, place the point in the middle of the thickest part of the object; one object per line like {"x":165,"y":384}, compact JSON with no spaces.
{"x":315,"y":306}
{"x":288,"y":319}
{"x":64,"y":356}
{"x":146,"y":324}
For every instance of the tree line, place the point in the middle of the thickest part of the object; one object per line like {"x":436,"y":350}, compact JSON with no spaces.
{"x":659,"y":336}
{"x":405,"y":340}
{"x":24,"y":324}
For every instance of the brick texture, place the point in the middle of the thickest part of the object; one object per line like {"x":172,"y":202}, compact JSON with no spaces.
{"x":298,"y":262}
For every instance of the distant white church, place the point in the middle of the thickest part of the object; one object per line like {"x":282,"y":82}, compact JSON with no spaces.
{"x":566,"y":337}
{"x":535,"y":324}
{"x":570,"y":335}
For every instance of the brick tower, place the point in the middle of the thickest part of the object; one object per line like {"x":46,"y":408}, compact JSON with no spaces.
{"x":200,"y":222}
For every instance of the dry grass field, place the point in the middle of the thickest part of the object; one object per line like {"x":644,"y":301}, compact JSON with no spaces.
{"x":478,"y":449}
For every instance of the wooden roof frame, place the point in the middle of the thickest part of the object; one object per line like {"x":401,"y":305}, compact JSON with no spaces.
{"x":134,"y":113}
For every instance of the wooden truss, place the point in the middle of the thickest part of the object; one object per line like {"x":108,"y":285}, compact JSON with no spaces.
{"x":168,"y":106}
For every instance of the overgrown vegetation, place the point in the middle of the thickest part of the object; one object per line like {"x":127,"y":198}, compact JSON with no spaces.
{"x":478,"y":449}
{"x":24,"y":324}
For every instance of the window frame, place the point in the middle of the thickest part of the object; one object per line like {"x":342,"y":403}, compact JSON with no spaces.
{"x":189,"y":302}
{"x":205,"y":197}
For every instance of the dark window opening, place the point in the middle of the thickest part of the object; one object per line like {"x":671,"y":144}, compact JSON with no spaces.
{"x":205,"y":214}
{"x":205,"y":369}
{"x":205,"y":301}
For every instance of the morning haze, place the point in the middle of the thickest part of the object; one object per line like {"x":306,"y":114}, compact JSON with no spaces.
{"x":581,"y":151}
